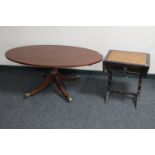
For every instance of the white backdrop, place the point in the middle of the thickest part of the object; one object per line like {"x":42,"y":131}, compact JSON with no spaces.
{"x":99,"y":38}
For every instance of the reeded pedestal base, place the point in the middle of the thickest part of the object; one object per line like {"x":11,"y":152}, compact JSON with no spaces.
{"x":58,"y":78}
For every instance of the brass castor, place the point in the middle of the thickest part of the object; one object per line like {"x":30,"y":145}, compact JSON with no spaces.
{"x":27,"y":95}
{"x":69,"y":98}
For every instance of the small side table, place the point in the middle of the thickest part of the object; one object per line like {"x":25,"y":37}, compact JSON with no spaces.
{"x":126,"y":62}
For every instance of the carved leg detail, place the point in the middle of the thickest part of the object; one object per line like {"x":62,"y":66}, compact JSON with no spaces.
{"x":41,"y":87}
{"x":58,"y":78}
{"x":139,"y":90}
{"x":61,"y":87}
{"x":109,"y":85}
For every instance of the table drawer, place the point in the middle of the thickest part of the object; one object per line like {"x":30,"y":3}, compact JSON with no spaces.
{"x":123,"y":68}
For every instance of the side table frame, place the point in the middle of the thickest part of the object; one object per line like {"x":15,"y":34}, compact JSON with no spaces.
{"x":135,"y":95}
{"x":127,"y":68}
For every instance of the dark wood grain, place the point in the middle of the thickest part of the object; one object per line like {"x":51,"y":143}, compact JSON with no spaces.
{"x":53,"y":56}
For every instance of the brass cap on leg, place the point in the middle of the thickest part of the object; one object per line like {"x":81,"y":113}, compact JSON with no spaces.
{"x":27,"y":95}
{"x":69,"y":98}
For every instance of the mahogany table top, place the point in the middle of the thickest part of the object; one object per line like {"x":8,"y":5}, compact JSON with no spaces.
{"x":53,"y":56}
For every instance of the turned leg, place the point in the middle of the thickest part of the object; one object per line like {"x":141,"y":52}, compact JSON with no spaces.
{"x":109,"y":85}
{"x":139,"y":90}
{"x":41,"y":87}
{"x":61,"y":87}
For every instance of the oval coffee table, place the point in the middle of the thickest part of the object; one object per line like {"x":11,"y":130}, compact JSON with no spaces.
{"x":53,"y":57}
